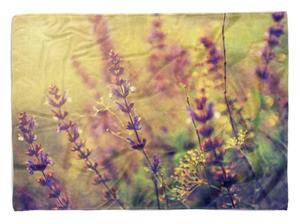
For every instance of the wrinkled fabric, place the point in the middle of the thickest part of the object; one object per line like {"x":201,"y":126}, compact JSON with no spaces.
{"x":182,"y":111}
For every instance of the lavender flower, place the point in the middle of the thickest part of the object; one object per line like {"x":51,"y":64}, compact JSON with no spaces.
{"x":155,"y":164}
{"x":206,"y":130}
{"x":180,"y":63}
{"x":57,"y":100}
{"x":157,"y":36}
{"x":40,"y":161}
{"x":214,"y":56}
{"x":166,"y":60}
{"x":263,"y":73}
{"x":121,"y":92}
{"x":278,"y":16}
{"x":87,"y":79}
{"x":221,"y":175}
{"x":103,"y":39}
{"x":263,"y":70}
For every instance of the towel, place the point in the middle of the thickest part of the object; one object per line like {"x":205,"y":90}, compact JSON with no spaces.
{"x":162,"y":111}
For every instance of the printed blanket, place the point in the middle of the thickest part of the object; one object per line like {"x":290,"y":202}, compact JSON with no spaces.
{"x":180,"y":111}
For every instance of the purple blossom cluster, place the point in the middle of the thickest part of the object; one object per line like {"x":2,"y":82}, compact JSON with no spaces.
{"x":121,"y":91}
{"x":180,"y":60}
{"x":165,"y":59}
{"x":103,"y":39}
{"x":57,"y":100}
{"x":155,"y":164}
{"x":214,"y":56}
{"x":157,"y":37}
{"x":40,"y":161}
{"x":157,"y":59}
{"x":263,"y":70}
{"x":219,"y":174}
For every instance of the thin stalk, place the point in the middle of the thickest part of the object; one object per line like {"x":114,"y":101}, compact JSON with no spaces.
{"x":45,"y":177}
{"x":117,"y":72}
{"x":165,"y":192}
{"x":131,"y":121}
{"x":193,"y":120}
{"x":95,"y":170}
{"x":234,"y":130}
{"x":199,"y":139}
{"x":98,"y":174}
{"x":138,"y":138}
{"x":156,"y":177}
{"x":156,"y":193}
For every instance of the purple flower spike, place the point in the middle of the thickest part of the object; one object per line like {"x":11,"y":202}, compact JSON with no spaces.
{"x":155,"y":164}
{"x":262,"y":72}
{"x":207,"y":43}
{"x":209,"y":145}
{"x":40,"y":160}
{"x":48,"y":180}
{"x":276,"y":31}
{"x":44,"y":159}
{"x":26,"y":126}
{"x":71,"y":129}
{"x":206,"y":130}
{"x":278,"y":16}
{"x":268,"y":54}
{"x":214,"y":56}
{"x":133,"y":124}
{"x":34,"y":151}
{"x":212,"y":144}
{"x":30,"y":167}
{"x":157,"y":36}
{"x":137,"y":145}
{"x":210,"y":111}
{"x":200,"y":102}
{"x":55,"y":193}
{"x":136,"y":125}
